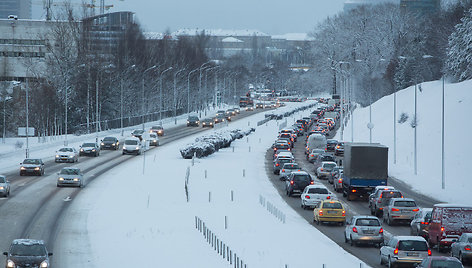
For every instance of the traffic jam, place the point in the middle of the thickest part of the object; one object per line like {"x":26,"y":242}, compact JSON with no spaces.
{"x":346,"y":184}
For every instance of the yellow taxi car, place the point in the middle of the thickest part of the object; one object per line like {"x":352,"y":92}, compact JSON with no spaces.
{"x":329,"y":211}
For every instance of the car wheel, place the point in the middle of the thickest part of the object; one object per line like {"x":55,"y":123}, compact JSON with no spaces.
{"x":317,"y":222}
{"x":351,"y":242}
{"x":461,"y":259}
{"x":381,"y":260}
{"x":389,"y":221}
{"x":390,"y":263}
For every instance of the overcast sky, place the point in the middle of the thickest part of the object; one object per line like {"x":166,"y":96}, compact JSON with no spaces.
{"x":269,"y":16}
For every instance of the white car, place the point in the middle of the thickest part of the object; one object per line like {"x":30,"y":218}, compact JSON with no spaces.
{"x":153,"y":139}
{"x":314,"y":194}
{"x":67,"y":154}
{"x":324,"y":171}
{"x":363,"y":229}
{"x":132,"y":145}
{"x":284,"y":154}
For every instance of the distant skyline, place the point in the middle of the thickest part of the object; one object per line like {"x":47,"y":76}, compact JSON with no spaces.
{"x":271,"y":17}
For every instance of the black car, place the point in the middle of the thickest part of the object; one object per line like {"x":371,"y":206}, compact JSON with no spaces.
{"x":331,"y":145}
{"x":193,"y":121}
{"x":32,"y":166}
{"x":27,"y":253}
{"x":339,"y":150}
{"x":323,"y":158}
{"x":110,"y":143}
{"x":220,"y":118}
{"x":138,"y":133}
{"x":208,"y":122}
{"x":89,"y":148}
{"x":297,"y":181}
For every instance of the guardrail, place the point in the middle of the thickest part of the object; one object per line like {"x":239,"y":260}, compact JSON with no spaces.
{"x":219,"y":245}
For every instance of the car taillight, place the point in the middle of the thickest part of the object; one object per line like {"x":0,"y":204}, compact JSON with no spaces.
{"x":321,"y":169}
{"x":395,"y":209}
{"x":312,"y":182}
{"x":442,"y":229}
{"x":283,"y":170}
{"x":467,"y":248}
{"x":354,"y":190}
{"x":425,"y":222}
{"x":416,"y":209}
{"x":328,"y":197}
{"x":307,"y":196}
{"x":320,"y":213}
{"x":275,"y":149}
{"x":395,"y":251}
{"x":354,"y":229}
{"x":344,"y":213}
{"x":429,"y":252}
{"x":277,"y":164}
{"x":340,"y":181}
{"x":291,"y":182}
{"x":381,"y":231}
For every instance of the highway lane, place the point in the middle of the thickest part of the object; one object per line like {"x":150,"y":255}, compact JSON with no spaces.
{"x":35,"y":205}
{"x":368,"y":254}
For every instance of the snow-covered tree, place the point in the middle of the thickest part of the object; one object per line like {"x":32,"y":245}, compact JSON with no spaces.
{"x":459,"y":52}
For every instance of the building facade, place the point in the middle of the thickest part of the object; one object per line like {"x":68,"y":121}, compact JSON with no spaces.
{"x":421,"y":6}
{"x":19,"y":8}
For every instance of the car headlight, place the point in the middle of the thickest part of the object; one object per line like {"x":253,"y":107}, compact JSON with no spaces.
{"x":112,"y":144}
{"x":44,"y":264}
{"x":188,"y":122}
{"x":22,"y":168}
{"x":71,"y":156}
{"x":1,"y":187}
{"x":76,"y":179}
{"x":155,"y":140}
{"x":36,"y":168}
{"x":57,"y":156}
{"x":137,"y":148}
{"x":81,"y":150}
{"x":198,"y":122}
{"x":10,"y":263}
{"x":102,"y":143}
{"x":61,"y":179}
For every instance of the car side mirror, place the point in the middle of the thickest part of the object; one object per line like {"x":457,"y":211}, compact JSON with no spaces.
{"x":49,"y":253}
{"x":21,"y":163}
{"x":5,"y":253}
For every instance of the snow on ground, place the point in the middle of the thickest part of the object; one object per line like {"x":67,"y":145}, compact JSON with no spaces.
{"x":458,"y":129}
{"x":45,"y":148}
{"x":146,"y":216}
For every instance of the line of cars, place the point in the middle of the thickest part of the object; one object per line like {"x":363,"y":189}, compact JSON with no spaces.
{"x":220,"y":117}
{"x":445,"y":226}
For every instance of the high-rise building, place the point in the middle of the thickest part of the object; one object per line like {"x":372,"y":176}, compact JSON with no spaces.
{"x":19,"y":8}
{"x":421,"y":6}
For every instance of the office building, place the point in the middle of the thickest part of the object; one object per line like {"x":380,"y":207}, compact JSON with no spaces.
{"x":421,"y":6}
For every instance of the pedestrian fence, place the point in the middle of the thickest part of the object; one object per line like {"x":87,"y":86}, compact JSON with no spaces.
{"x":272,"y":209}
{"x":221,"y":248}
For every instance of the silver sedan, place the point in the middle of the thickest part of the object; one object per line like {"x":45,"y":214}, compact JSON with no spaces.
{"x":4,"y":186}
{"x":70,"y":176}
{"x":363,"y":229}
{"x":462,"y":248}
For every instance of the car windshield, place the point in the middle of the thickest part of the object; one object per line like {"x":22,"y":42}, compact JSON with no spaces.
{"x":193,"y":118}
{"x":367,"y":222}
{"x":333,"y":205}
{"x":413,"y":245}
{"x":327,"y":158}
{"x":140,"y":131}
{"x":391,"y":194}
{"x":2,"y":180}
{"x":109,"y":139}
{"x":70,"y":171}
{"x":31,"y":161}
{"x":301,"y":178}
{"x":152,"y":135}
{"x":291,"y":166}
{"x":88,"y":145}
{"x":329,"y":166}
{"x":156,"y":127}
{"x":27,"y":250}
{"x":445,"y":264}
{"x":131,"y":142}
{"x":66,"y":150}
{"x":318,"y":191}
{"x":404,"y":204}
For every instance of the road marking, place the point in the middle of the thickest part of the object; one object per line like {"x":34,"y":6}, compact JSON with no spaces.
{"x":67,"y":199}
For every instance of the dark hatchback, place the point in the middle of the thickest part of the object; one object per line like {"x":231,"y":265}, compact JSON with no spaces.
{"x":331,"y":145}
{"x":27,"y":253}
{"x":193,"y":121}
{"x":208,"y":122}
{"x":297,"y":181}
{"x":110,"y":143}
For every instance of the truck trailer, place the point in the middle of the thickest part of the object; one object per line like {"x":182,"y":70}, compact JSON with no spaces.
{"x":365,"y":167}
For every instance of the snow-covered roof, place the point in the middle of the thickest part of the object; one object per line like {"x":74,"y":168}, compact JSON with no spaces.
{"x":293,"y":37}
{"x":447,"y":205}
{"x":219,"y":32}
{"x":231,"y":40}
{"x":153,"y":35}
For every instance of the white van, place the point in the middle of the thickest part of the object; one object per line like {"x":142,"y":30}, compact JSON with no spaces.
{"x":315,"y":141}
{"x":133,"y":145}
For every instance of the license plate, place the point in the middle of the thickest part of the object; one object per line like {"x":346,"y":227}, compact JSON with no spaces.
{"x":412,"y":254}
{"x":332,"y":212}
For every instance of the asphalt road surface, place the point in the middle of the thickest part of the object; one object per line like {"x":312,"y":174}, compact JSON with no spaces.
{"x":368,"y":254}
{"x":35,"y":205}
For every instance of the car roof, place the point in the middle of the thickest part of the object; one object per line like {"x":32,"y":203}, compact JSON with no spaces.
{"x":449,"y":258}
{"x":328,"y":162}
{"x":402,"y":199}
{"x":132,"y":138}
{"x":445,"y":205}
{"x":300,"y":173}
{"x":291,"y":163}
{"x":317,"y":186}
{"x":409,"y":237}
{"x":331,"y":201}
{"x":28,"y":242}
{"x":364,"y":217}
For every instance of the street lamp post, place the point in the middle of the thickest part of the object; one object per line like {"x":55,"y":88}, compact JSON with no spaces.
{"x":160,"y":93}
{"x":416,"y":126}
{"x":175,"y":94}
{"x":142,"y":104}
{"x":121,"y":99}
{"x":443,"y":174}
{"x":188,"y":89}
{"x":27,"y":119}
{"x":66,"y":100}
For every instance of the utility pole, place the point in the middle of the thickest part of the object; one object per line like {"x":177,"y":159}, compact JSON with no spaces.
{"x":27,"y":119}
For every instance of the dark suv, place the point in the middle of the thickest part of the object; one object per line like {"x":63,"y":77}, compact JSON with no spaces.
{"x":110,"y":143}
{"x":193,"y":121}
{"x":381,"y":200}
{"x":27,"y":253}
{"x":322,"y":158}
{"x":297,"y":181}
{"x":32,"y":166}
